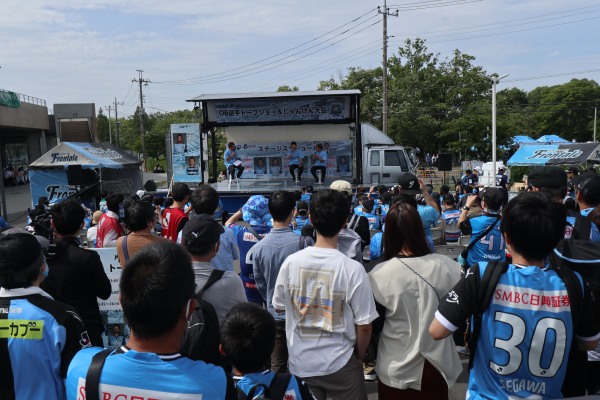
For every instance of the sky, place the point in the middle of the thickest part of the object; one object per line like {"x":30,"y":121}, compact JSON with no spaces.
{"x":76,"y":51}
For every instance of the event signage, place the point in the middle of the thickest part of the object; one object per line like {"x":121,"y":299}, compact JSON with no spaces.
{"x":555,"y":154}
{"x":63,"y":157}
{"x":279,"y":110}
{"x":186,"y":152}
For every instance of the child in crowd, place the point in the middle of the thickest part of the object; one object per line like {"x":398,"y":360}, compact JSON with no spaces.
{"x":247,"y":339}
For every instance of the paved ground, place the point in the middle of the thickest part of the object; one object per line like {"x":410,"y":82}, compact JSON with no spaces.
{"x":18,"y":201}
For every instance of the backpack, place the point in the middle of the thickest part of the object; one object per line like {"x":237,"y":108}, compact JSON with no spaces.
{"x":202,"y":338}
{"x":349,"y":243}
{"x":582,"y":255}
{"x":277,"y":389}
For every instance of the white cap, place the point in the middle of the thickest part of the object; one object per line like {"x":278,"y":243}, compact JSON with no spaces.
{"x":478,"y":169}
{"x":140,"y":193}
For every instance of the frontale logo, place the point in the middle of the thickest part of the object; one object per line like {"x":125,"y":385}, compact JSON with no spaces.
{"x":555,"y":154}
{"x":103,"y":153}
{"x":63,"y":157}
{"x":60,"y":192}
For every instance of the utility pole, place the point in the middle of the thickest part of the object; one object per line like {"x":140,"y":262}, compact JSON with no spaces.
{"x":109,"y":129}
{"x":117,"y":123}
{"x":495,"y":79}
{"x":141,"y":81}
{"x":595,"y":119}
{"x":385,"y":13}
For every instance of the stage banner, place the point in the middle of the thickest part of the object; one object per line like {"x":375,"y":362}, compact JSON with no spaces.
{"x":117,"y":330}
{"x":185,"y":139}
{"x":333,"y":108}
{"x":271,"y":160}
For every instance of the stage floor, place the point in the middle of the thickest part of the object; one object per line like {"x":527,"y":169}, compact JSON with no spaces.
{"x":267,"y":185}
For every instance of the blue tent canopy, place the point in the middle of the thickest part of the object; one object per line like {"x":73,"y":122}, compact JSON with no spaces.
{"x":520,"y":139}
{"x":551,"y":139}
{"x":555,"y":154}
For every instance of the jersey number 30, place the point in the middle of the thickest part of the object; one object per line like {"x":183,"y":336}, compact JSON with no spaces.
{"x":536,"y":349}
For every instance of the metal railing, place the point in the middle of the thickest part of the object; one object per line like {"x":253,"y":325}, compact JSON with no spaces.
{"x":31,"y":100}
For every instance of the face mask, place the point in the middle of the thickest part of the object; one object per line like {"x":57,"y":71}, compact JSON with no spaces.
{"x":45,"y":272}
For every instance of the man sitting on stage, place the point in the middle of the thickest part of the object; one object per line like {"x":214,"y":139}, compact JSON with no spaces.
{"x":295,"y":156}
{"x":230,"y":158}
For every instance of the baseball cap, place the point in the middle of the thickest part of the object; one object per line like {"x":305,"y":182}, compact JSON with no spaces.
{"x":409,"y":184}
{"x":180,"y":190}
{"x":201,"y":229}
{"x":256,"y":210}
{"x":140,"y":193}
{"x":302,"y":208}
{"x":341,"y":186}
{"x":493,"y":197}
{"x":589,"y":187}
{"x":549,"y":176}
{"x":478,"y":169}
{"x":501,"y":168}
{"x":309,"y":188}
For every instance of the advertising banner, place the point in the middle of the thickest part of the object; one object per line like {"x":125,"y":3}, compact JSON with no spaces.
{"x":331,"y":108}
{"x":556,"y":154}
{"x":186,"y":152}
{"x":271,"y":159}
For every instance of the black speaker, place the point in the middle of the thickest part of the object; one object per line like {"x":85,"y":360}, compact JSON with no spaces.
{"x":150,"y":186}
{"x":444,"y":162}
{"x":75,"y":175}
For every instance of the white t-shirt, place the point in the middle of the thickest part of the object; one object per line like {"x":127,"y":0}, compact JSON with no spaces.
{"x":324,"y":294}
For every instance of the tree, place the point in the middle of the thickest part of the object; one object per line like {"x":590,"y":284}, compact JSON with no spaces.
{"x":102,"y":126}
{"x":566,"y":110}
{"x":286,"y":88}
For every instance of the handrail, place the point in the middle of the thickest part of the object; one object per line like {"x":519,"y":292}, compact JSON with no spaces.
{"x":29,"y":99}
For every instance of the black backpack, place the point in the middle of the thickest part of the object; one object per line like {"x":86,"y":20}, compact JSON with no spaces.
{"x":202,"y":339}
{"x":582,"y":255}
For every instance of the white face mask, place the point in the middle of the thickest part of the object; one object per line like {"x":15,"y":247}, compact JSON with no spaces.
{"x":46,"y":270}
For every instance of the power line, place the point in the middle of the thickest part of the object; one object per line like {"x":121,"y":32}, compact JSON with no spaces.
{"x":280,"y":53}
{"x":446,"y":3}
{"x":244,"y":75}
{"x":506,"y":33}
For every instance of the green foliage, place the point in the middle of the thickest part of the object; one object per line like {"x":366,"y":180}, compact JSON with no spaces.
{"x":446,"y":104}
{"x":286,"y":88}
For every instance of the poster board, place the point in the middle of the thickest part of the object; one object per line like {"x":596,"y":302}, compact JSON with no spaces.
{"x":185,"y":153}
{"x":110,"y":309}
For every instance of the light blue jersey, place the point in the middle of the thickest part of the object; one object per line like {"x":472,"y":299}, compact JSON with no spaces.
{"x":131,"y":374}
{"x":526,"y":332}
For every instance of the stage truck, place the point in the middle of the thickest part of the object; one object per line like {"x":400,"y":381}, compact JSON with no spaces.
{"x":262,"y":126}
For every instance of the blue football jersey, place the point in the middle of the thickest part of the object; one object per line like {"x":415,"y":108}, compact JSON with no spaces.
{"x":129,"y":374}
{"x":489,"y":247}
{"x":245,"y":240}
{"x":526,"y":332}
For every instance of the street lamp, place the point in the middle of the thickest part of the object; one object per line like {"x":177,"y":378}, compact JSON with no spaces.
{"x":495,"y":79}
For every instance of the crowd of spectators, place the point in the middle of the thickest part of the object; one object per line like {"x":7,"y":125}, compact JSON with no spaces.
{"x":335,"y":287}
